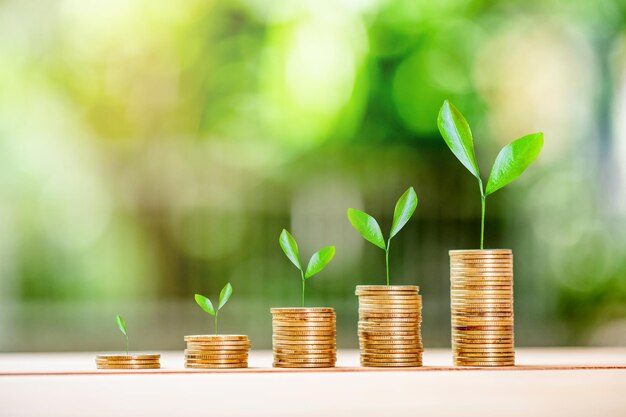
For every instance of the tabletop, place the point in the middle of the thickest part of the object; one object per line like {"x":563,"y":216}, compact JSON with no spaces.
{"x":551,"y":382}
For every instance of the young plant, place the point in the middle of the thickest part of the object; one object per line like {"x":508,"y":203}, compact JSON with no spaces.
{"x":207,"y":306}
{"x":122,"y":326}
{"x":318,"y":261}
{"x":510,"y":163}
{"x":368,"y":227}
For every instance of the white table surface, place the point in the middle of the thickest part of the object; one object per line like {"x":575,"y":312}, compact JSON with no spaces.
{"x":548,"y":382}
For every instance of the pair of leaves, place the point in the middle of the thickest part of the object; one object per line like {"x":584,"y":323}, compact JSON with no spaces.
{"x":318,"y":261}
{"x":510,"y":163}
{"x":368,"y":227}
{"x":121,"y":324}
{"x":206,"y":304}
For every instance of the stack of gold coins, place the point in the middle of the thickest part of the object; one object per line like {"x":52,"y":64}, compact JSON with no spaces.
{"x":137,"y":361}
{"x":390,"y":320}
{"x":304,"y":337}
{"x":482,"y":307}
{"x":217,"y":351}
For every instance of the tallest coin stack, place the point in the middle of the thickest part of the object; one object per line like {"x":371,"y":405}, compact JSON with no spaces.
{"x":482,"y":307}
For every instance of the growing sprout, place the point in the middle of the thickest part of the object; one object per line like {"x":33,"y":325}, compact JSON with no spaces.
{"x":207,"y":306}
{"x":510,"y":163}
{"x":122,"y":326}
{"x":368,"y":227}
{"x":318,"y":261}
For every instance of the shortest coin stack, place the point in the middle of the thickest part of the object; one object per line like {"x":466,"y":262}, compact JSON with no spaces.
{"x":217,"y":351}
{"x":304,"y":337}
{"x":147,"y":361}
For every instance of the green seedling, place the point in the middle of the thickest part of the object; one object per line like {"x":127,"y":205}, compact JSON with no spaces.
{"x":122,"y":326}
{"x":368,"y":227}
{"x":318,"y":261}
{"x":510,"y":163}
{"x":207,"y":306}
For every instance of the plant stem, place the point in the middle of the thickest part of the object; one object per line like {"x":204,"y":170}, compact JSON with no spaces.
{"x":216,"y":322}
{"x":482,"y":216}
{"x":303,"y":285}
{"x":387,"y":259}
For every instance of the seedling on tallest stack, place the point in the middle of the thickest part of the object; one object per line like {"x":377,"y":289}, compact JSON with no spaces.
{"x":481,"y":290}
{"x":510,"y":163}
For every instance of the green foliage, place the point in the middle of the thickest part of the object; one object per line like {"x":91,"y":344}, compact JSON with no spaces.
{"x":368,"y":227}
{"x":206,"y":304}
{"x":318,"y":261}
{"x":225,"y":294}
{"x":121,"y":324}
{"x":290,"y":247}
{"x":510,"y":163}
{"x":513,"y":160}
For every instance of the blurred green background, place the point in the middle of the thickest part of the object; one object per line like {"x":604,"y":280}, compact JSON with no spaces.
{"x":152,"y":150}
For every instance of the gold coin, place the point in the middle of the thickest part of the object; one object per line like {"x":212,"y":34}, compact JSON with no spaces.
{"x":288,"y":356}
{"x":480,"y":252}
{"x":391,"y":328}
{"x":307,"y":318}
{"x":481,"y":271}
{"x":391,"y":364}
{"x":213,"y":361}
{"x":388,"y":316}
{"x":295,"y":344}
{"x":215,"y":338}
{"x":224,"y":343}
{"x":308,"y":351}
{"x":484,"y":364}
{"x":367,"y":355}
{"x":312,"y":332}
{"x":216,"y":365}
{"x":292,"y":359}
{"x":123,"y":366}
{"x":392,"y":350}
{"x":389,"y":304}
{"x":391,"y":298}
{"x":304,"y":323}
{"x":302,"y":310}
{"x":236,"y":353}
{"x":387,"y":288}
{"x":127,"y":360}
{"x":209,"y":356}
{"x":108,"y":356}
{"x":304,"y":365}
{"x":416,"y":308}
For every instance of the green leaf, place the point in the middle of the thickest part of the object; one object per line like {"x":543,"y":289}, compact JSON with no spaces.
{"x":205,"y":304}
{"x":405,"y":207}
{"x":367,"y":226}
{"x":319,"y":260}
{"x":290,"y":247}
{"x":513,"y":160}
{"x":225,"y":294}
{"x":457,"y":134}
{"x":121,"y":324}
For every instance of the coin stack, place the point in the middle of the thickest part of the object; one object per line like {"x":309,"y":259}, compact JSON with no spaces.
{"x":482,"y":307}
{"x":217,"y":351}
{"x":148,"y":361}
{"x":304,"y":337}
{"x":390,"y":320}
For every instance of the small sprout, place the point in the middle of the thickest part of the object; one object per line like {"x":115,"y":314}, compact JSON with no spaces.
{"x":368,"y":227}
{"x":122,"y":326}
{"x":207,"y":306}
{"x":318,"y":261}
{"x":510,"y":163}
